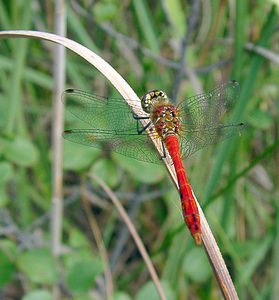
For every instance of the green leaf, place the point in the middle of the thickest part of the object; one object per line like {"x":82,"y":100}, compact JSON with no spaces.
{"x":38,"y":265}
{"x":22,"y":152}
{"x":259,"y":254}
{"x":105,"y":11}
{"x":121,"y":296}
{"x":83,"y":297}
{"x":38,"y":295}
{"x":6,"y":172}
{"x":196,"y":266}
{"x":78,"y":157}
{"x":3,"y":143}
{"x":4,"y":200}
{"x":149,"y":291}
{"x":81,"y":275}
{"x":7,"y":265}
{"x":176,"y":17}
{"x":143,"y":172}
{"x":260,"y":119}
{"x":107,"y":171}
{"x":77,"y":239}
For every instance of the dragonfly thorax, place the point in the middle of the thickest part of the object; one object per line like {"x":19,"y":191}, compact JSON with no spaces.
{"x":163,"y":114}
{"x":165,"y":118}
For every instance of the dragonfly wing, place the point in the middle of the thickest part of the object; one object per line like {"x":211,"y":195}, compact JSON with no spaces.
{"x":194,"y":140}
{"x":99,"y":112}
{"x":207,"y":110}
{"x":138,"y":146}
{"x":202,"y":116}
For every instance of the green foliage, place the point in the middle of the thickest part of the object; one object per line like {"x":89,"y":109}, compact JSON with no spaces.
{"x":6,"y":172}
{"x":7,"y":258}
{"x":196,"y":266}
{"x":77,"y":157}
{"x":21,"y":152}
{"x":148,"y":291}
{"x":121,"y":296}
{"x":107,"y":171}
{"x":38,"y":295}
{"x":81,"y":275}
{"x":153,"y":173}
{"x":105,"y":11}
{"x":38,"y":265}
{"x":236,"y":181}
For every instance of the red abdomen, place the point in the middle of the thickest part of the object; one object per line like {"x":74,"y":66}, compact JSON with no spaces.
{"x":189,"y":206}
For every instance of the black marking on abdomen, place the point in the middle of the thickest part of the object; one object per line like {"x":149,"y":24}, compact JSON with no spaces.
{"x":180,"y":193}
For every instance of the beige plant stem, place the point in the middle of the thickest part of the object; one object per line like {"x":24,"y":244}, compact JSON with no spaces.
{"x":210,"y":245}
{"x":100,"y":244}
{"x":134,"y":234}
{"x":57,"y":127}
{"x":57,"y":145}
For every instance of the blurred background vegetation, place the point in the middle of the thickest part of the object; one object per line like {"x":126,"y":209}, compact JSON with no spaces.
{"x":183,"y":48}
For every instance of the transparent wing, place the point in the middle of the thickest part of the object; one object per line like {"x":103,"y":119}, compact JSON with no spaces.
{"x":194,"y":140}
{"x":138,"y":146}
{"x":102,"y":113}
{"x":202,"y":118}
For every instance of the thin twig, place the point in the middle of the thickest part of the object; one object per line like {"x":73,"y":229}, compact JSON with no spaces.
{"x":57,"y":128}
{"x":123,"y":233}
{"x":100,"y":244}
{"x":134,"y":234}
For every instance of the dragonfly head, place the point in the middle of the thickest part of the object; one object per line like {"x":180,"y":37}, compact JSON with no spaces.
{"x":150,"y":98}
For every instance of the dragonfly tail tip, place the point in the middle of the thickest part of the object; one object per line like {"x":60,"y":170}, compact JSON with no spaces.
{"x":198,"y":239}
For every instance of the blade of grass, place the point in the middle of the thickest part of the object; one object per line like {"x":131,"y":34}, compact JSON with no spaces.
{"x":248,"y":268}
{"x":29,"y":74}
{"x":239,"y":38}
{"x":15,"y":113}
{"x":145,"y":21}
{"x":246,"y":93}
{"x":275,"y":259}
{"x":76,"y":26}
{"x":174,"y":12}
{"x":267,"y":152}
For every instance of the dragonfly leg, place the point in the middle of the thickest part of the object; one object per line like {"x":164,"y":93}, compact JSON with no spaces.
{"x":140,"y":131}
{"x":136,"y":117}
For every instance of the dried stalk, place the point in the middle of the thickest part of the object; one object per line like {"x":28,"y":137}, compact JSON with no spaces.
{"x":134,"y":234}
{"x":210,"y":245}
{"x":57,"y":145}
{"x":100,"y":243}
{"x":57,"y":128}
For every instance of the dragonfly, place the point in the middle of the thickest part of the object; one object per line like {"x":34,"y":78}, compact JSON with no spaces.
{"x":181,"y":129}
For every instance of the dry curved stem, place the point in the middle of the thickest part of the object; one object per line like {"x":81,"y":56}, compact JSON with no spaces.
{"x":134,"y":234}
{"x":210,"y":245}
{"x":100,"y":243}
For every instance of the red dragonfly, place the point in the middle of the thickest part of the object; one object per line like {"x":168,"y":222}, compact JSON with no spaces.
{"x":182,"y":130}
